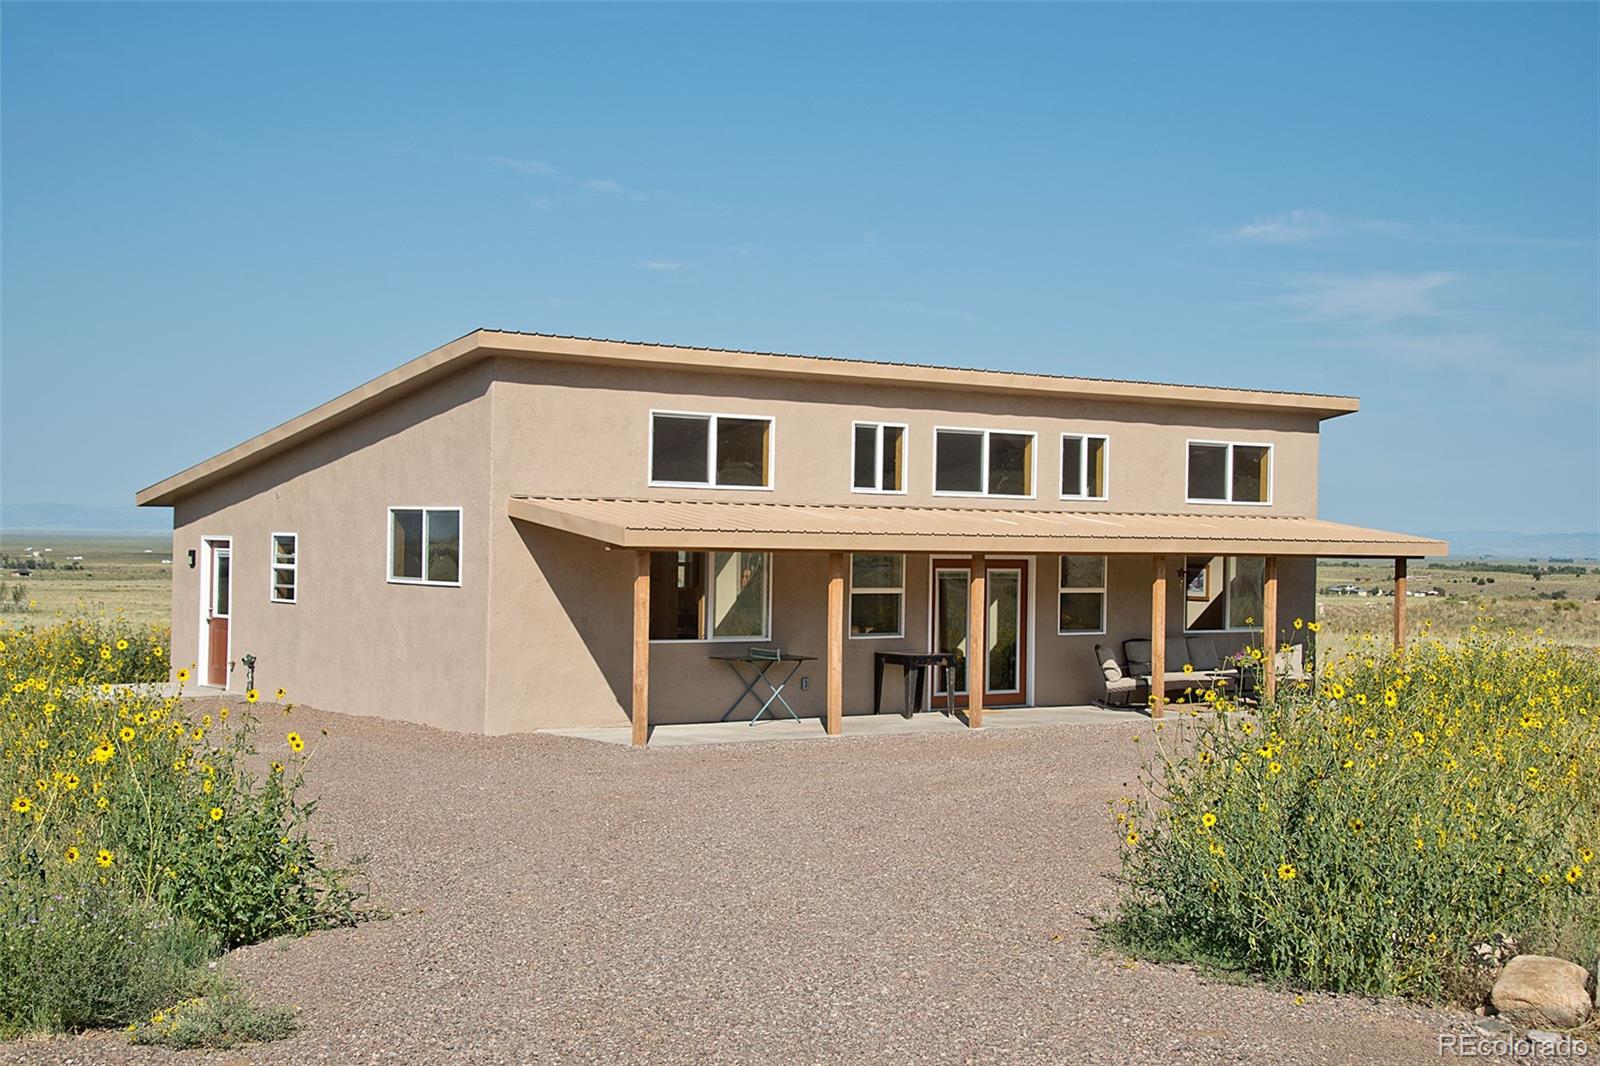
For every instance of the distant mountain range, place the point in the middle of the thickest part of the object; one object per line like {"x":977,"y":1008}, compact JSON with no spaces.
{"x":1476,"y":543}
{"x":115,"y":518}
{"x":83,"y":518}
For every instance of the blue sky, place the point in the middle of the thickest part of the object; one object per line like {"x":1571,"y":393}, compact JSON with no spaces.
{"x":217,"y":216}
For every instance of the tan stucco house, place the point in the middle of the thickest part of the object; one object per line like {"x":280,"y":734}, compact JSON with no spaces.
{"x":519,"y":531}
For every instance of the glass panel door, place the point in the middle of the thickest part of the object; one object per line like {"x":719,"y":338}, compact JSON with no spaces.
{"x":1006,"y":629}
{"x":950,"y":624}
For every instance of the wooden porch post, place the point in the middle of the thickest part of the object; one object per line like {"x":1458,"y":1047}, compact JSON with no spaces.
{"x":835,"y":719}
{"x":641,"y":648}
{"x":1399,"y":605}
{"x":1158,"y":635}
{"x":1269,"y":626}
{"x":977,"y":639}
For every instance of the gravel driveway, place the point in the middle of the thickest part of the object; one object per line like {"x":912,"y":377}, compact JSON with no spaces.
{"x":907,"y":899}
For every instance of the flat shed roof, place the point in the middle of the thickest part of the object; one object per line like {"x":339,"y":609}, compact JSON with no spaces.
{"x":484,"y":343}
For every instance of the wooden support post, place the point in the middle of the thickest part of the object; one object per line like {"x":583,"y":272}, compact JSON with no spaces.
{"x":1158,"y":635}
{"x":641,"y":648}
{"x":1399,"y":605}
{"x":835,"y":720}
{"x":1269,"y":627}
{"x":977,"y":639}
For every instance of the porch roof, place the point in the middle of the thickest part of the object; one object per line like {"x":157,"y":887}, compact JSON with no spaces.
{"x":729,"y":524}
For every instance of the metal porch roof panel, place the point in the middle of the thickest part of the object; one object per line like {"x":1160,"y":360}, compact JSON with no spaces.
{"x":731,"y":524}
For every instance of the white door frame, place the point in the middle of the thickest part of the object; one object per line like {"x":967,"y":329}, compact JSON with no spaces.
{"x":207,"y":557}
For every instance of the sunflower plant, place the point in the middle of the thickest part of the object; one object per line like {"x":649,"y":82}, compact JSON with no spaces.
{"x":133,"y":807}
{"x":1364,"y":831}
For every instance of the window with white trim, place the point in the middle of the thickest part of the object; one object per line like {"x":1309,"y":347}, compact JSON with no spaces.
{"x":715,"y":451}
{"x":1223,"y":592}
{"x":285,"y":566}
{"x":425,"y":545}
{"x":1224,"y":472}
{"x":1082,"y":601}
{"x":878,"y":457}
{"x":982,"y":462}
{"x":710,"y":596}
{"x":877,"y":595}
{"x":1084,"y":466}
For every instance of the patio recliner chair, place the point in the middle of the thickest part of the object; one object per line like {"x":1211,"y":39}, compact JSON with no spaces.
{"x":1120,"y":688}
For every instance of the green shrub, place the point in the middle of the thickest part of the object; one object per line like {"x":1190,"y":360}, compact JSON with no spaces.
{"x":76,"y":953}
{"x":1364,"y":832}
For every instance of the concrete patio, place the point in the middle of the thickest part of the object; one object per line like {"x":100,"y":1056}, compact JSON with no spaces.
{"x":857,"y":725}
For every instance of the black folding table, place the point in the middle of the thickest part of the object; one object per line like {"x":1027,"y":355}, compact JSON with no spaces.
{"x":913,"y":665}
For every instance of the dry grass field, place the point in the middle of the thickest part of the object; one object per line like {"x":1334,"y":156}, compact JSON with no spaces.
{"x":1565,"y":605}
{"x":86,"y":573}
{"x":131,"y":575}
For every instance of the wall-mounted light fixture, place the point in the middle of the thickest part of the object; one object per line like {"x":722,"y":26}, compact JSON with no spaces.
{"x":191,"y":558}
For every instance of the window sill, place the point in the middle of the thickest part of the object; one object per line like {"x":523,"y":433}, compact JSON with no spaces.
{"x":1230,"y":503}
{"x":707,"y":485}
{"x":419,"y":581}
{"x":710,"y":640}
{"x":983,"y":495}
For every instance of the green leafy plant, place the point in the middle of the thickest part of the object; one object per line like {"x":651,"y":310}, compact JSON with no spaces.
{"x":164,"y":816}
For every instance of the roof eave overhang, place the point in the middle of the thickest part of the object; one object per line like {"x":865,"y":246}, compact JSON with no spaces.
{"x":646,"y":538}
{"x":347,"y":407}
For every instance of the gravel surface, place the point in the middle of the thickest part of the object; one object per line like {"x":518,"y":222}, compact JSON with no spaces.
{"x":908,"y":899}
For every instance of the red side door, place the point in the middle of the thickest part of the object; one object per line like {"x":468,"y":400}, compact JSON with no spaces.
{"x":217,"y":616}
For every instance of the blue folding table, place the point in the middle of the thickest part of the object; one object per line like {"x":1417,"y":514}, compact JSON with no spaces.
{"x":760,"y":661}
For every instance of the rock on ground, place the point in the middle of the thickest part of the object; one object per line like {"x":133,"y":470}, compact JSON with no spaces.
{"x":1542,"y":992}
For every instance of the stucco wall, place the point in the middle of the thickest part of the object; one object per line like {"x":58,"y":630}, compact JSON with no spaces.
{"x":355,"y":642}
{"x":560,"y":608}
{"x":583,"y":430}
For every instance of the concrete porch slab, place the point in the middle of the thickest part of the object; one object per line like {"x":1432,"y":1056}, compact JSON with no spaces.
{"x":859,"y":725}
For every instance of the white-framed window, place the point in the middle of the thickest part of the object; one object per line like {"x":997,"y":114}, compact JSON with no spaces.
{"x":877,"y":595}
{"x":1223,"y":593}
{"x":1085,"y":466}
{"x":1082,"y":600}
{"x":710,"y":596}
{"x":983,"y":462}
{"x":425,"y":545}
{"x":878,"y":457}
{"x":1229,"y":472}
{"x":284,"y":567}
{"x":689,"y":449}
